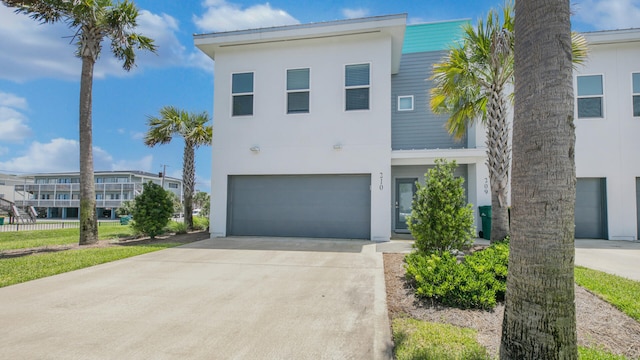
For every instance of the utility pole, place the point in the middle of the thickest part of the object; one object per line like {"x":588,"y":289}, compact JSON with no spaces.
{"x":164,"y":174}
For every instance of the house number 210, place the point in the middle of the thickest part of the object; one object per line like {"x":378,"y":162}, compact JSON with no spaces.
{"x":380,"y":187}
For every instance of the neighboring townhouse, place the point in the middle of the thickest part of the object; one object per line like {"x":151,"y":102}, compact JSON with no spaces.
{"x":323,"y":129}
{"x":57,"y":195}
{"x":607,"y":90}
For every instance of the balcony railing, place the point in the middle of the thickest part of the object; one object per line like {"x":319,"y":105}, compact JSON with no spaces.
{"x":61,"y":188}
{"x":67,"y":203}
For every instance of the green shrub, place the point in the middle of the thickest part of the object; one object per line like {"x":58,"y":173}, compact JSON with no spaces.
{"x":200,"y":222}
{"x":441,"y":219}
{"x":177,"y":227}
{"x":477,"y":282}
{"x":152,"y":210}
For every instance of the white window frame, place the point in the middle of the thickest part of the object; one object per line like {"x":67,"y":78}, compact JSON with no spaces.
{"x":252,"y":93}
{"x":405,"y":97}
{"x":601,"y":96}
{"x":634,"y":94}
{"x":307,"y":90}
{"x":344,"y":80}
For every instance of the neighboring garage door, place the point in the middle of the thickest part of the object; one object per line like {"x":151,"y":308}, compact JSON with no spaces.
{"x":591,"y":208}
{"x":323,"y":206}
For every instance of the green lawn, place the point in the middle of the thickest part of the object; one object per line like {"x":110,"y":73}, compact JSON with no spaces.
{"x":622,"y":293}
{"x":31,"y":267}
{"x":37,"y":238}
{"x":417,"y":340}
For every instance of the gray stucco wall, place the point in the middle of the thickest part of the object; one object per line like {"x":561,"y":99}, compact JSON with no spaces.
{"x":420,"y":128}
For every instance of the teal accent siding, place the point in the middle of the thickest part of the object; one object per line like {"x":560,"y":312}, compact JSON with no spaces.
{"x":432,"y":36}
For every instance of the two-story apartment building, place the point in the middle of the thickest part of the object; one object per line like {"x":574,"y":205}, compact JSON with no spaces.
{"x":57,"y":195}
{"x":323,"y":129}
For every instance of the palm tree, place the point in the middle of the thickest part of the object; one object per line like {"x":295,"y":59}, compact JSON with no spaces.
{"x":92,"y":21}
{"x":539,"y":319}
{"x":473,"y":84}
{"x":191,"y":127}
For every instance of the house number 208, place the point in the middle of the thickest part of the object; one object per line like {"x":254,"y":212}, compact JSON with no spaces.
{"x":486,"y":185}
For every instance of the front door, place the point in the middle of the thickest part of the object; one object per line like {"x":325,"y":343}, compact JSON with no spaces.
{"x":405,"y":189}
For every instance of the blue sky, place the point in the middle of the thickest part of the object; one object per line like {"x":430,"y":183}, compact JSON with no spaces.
{"x":39,"y":75}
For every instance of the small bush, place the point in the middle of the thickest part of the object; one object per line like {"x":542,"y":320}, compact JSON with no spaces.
{"x":177,"y":227}
{"x":441,"y":219}
{"x":152,"y":210}
{"x":478,"y":282}
{"x":200,"y":222}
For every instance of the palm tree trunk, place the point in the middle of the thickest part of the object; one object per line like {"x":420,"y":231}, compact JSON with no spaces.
{"x":498,"y":159}
{"x":539,"y":319}
{"x":188,"y":179}
{"x":88,"y":221}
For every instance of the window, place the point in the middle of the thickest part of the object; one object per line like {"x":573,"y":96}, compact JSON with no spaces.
{"x":405,"y":103}
{"x":635,"y":79}
{"x":98,"y":196}
{"x":590,"y":96}
{"x":114,"y":196}
{"x":242,"y":91}
{"x":173,"y":186}
{"x":297,"y":91}
{"x":357,"y":84}
{"x":62,"y":196}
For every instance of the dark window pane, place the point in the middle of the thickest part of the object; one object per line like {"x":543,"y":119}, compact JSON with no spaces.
{"x":590,"y":107}
{"x":298,"y":102}
{"x":636,"y":105}
{"x":590,"y":85}
{"x":357,"y":75}
{"x":636,"y":83}
{"x":298,"y":79}
{"x":242,"y":105}
{"x":242,"y":83}
{"x":357,"y":99}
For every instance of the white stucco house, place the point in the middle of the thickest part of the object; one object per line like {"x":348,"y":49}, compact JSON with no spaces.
{"x":323,"y":129}
{"x":607,"y":121}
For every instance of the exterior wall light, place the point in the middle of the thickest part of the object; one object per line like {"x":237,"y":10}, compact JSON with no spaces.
{"x":255,"y":149}
{"x":337,"y":146}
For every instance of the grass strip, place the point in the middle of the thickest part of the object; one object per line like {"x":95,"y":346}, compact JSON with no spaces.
{"x":617,"y":291}
{"x":30,"y":239}
{"x":31,"y":267}
{"x":585,"y":353}
{"x":415,"y":339}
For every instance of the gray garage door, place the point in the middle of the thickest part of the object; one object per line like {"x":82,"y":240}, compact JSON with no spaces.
{"x":591,"y":208}
{"x":325,"y":206}
{"x":638,"y":204}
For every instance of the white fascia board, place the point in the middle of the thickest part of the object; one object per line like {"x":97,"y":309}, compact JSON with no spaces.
{"x":393,"y":25}
{"x":612,"y":36}
{"x":429,"y":156}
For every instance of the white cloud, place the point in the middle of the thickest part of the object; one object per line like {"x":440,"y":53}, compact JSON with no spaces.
{"x":355,"y":13}
{"x":48,"y":50}
{"x":12,"y":121}
{"x":13,"y":101}
{"x":61,"y":155}
{"x":609,"y":14}
{"x":4,"y":150}
{"x":221,"y":15}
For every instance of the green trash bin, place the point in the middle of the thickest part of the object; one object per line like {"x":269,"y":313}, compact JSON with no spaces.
{"x":485,"y":215}
{"x":124,"y":220}
{"x":1,"y":221}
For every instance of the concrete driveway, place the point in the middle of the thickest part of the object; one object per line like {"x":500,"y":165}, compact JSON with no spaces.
{"x":232,"y":298}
